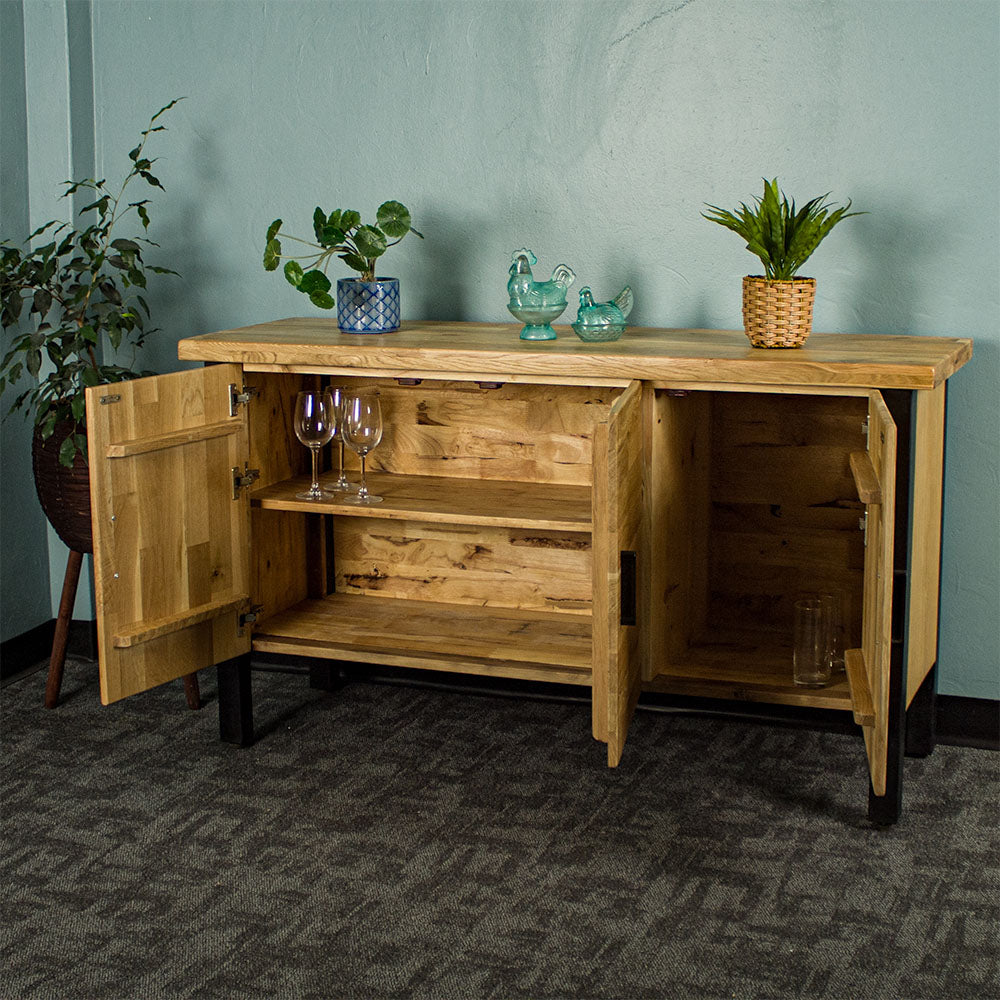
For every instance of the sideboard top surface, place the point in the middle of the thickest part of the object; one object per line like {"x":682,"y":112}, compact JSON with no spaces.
{"x":425,"y":348}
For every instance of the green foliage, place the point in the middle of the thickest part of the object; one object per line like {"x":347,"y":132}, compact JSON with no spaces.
{"x":82,"y":291}
{"x":340,"y":234}
{"x":781,"y":236}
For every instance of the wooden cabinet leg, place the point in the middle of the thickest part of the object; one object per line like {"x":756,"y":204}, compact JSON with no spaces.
{"x":235,"y":701}
{"x":58,"y":658}
{"x":921,"y":718}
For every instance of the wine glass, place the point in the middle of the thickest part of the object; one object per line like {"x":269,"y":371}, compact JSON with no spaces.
{"x":362,"y":430}
{"x":315,"y":421}
{"x":341,"y":483}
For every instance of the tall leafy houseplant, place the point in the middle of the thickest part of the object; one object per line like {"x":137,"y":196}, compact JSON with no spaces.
{"x":777,"y":307}
{"x":82,"y":291}
{"x":368,"y":304}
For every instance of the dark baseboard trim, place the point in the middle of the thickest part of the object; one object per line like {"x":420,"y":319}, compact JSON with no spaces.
{"x":968,"y":722}
{"x":963,"y":722}
{"x":26,"y":652}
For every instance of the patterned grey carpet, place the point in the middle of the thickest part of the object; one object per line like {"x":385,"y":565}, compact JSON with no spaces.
{"x":390,"y":842}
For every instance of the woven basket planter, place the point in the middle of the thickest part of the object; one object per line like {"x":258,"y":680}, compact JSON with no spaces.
{"x":778,"y":313}
{"x":64,"y":492}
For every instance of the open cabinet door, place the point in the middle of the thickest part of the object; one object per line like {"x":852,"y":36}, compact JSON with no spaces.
{"x":868,"y":668}
{"x":617,"y":548}
{"x":171,"y":530}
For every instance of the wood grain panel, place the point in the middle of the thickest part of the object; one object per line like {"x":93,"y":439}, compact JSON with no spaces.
{"x":169,"y":538}
{"x":877,"y":613}
{"x":643,"y":353}
{"x":544,"y":506}
{"x":488,"y":566}
{"x":371,"y":628}
{"x":514,"y":432}
{"x":680,"y":430}
{"x":280,"y":550}
{"x":925,"y":536}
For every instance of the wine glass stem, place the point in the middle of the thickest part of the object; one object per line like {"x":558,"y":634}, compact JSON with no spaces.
{"x":343,"y":476}
{"x":363,"y":490}
{"x":315,"y":461}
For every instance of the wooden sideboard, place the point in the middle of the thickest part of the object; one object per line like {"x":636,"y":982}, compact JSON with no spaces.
{"x":625,"y":516}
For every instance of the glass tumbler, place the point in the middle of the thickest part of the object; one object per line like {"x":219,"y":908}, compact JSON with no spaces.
{"x":811,"y":656}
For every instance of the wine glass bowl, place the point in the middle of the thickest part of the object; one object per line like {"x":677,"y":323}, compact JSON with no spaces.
{"x":315,"y":422}
{"x":362,"y":432}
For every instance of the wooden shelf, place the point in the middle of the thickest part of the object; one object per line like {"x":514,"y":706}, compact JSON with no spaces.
{"x":450,"y":500}
{"x":502,"y":642}
{"x":747,"y":668}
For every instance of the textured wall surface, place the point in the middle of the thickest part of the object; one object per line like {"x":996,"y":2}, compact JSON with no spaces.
{"x":593,"y":132}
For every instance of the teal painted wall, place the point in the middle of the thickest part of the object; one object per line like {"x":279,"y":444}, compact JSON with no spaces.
{"x":24,"y":553}
{"x":593,"y":132}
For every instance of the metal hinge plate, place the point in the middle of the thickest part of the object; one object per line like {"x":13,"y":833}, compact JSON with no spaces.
{"x":239,"y":395}
{"x":244,"y":478}
{"x":863,"y":525}
{"x":245,"y":618}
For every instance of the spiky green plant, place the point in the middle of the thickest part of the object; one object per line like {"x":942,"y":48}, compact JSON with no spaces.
{"x":782,"y":236}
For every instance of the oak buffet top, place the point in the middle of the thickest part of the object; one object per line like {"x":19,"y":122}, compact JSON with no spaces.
{"x":494,"y":351}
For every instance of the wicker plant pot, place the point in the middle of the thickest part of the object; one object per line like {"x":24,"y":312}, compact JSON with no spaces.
{"x":778,"y":313}
{"x":64,"y":492}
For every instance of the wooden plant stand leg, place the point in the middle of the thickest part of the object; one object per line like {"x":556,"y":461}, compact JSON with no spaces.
{"x":58,"y":658}
{"x":192,"y":691}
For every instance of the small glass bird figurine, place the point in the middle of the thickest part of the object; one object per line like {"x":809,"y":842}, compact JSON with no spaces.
{"x":597,"y":321}
{"x":536,"y":303}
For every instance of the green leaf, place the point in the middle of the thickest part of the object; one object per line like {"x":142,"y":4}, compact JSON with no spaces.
{"x":272,"y":230}
{"x":314,"y":281}
{"x":322,"y":299}
{"x":33,"y":359}
{"x":41,"y":302}
{"x":331,"y":236}
{"x":371,"y":242}
{"x":272,"y":253}
{"x":319,"y":221}
{"x":393,"y":219}
{"x":353,"y":261}
{"x":67,"y":451}
{"x":293,"y":273}
{"x":143,"y":215}
{"x":79,"y":406}
{"x":127,"y":246}
{"x":88,"y":333}
{"x":349,"y":219}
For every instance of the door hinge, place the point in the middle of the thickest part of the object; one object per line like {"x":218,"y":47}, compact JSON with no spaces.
{"x":864,"y":430}
{"x":244,"y":478}
{"x":245,"y":618}
{"x":626,"y":587}
{"x":239,"y":395}
{"x":863,"y":525}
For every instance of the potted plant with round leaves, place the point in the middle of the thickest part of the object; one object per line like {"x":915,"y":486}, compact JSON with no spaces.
{"x":778,"y":305}
{"x":72,"y":300}
{"x":368,"y":304}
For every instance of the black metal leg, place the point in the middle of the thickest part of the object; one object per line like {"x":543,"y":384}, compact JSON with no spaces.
{"x":235,"y":701}
{"x":921,"y":718}
{"x":324,"y":675}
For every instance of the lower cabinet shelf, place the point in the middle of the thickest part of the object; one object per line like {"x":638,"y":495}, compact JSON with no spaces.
{"x":745,"y":667}
{"x":499,"y":642}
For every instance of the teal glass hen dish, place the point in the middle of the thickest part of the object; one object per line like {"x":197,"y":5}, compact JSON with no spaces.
{"x":602,"y":321}
{"x":536,"y":303}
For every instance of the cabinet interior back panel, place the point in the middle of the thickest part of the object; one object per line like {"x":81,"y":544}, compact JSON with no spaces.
{"x":486,"y":565}
{"x":529,"y":433}
{"x":784,"y":508}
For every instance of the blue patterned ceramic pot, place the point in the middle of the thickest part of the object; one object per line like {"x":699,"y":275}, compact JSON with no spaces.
{"x":368,"y":306}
